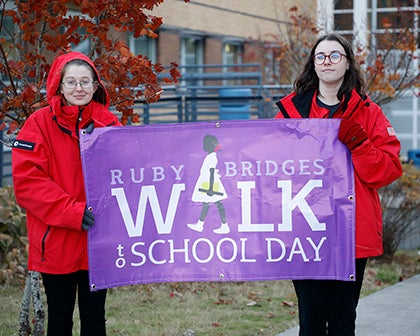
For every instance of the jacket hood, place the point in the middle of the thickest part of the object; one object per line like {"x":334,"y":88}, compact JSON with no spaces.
{"x":54,"y":78}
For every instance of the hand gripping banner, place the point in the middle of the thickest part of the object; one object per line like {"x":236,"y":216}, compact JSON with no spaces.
{"x":224,"y":200}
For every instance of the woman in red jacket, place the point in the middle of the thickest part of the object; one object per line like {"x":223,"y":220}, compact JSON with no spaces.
{"x":331,"y":85}
{"x":48,"y":183}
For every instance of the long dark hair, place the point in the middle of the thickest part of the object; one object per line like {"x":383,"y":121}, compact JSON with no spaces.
{"x":353,"y":78}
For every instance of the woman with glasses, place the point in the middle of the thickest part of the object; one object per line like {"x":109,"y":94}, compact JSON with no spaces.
{"x":48,"y":183}
{"x":331,"y":85}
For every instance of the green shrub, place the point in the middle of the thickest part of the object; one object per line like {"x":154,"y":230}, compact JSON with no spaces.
{"x":13,"y":238}
{"x":400,"y":203}
{"x":388,"y":273}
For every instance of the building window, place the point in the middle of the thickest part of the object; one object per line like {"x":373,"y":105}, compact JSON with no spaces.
{"x":232,"y":53}
{"x":386,"y":22}
{"x":343,"y":4}
{"x":191,"y":53}
{"x":86,"y":43}
{"x":343,"y":21}
{"x":7,"y":35}
{"x":8,"y":28}
{"x":272,"y":69}
{"x":145,"y":46}
{"x":393,"y":3}
{"x":380,"y":20}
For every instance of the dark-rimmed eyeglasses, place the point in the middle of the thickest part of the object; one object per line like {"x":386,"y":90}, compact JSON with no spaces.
{"x":335,"y":58}
{"x":72,"y":84}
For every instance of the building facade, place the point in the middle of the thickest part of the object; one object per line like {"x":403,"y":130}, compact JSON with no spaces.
{"x":223,"y":32}
{"x":364,"y":22}
{"x":217,"y":32}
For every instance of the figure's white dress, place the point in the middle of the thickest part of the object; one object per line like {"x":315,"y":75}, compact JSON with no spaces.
{"x":203,"y":182}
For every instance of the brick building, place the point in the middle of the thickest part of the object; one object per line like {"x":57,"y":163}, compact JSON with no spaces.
{"x":216,"y":32}
{"x":224,"y":32}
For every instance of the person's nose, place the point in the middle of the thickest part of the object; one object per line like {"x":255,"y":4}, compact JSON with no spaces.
{"x":327,"y":60}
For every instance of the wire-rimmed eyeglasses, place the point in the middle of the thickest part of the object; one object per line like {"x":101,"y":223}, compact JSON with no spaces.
{"x":335,"y":57}
{"x":72,"y":84}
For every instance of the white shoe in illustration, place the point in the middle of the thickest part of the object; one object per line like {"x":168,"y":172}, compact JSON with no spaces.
{"x":197,"y":226}
{"x":224,"y":228}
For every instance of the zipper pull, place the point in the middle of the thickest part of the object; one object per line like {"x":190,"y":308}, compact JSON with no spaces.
{"x":80,"y":113}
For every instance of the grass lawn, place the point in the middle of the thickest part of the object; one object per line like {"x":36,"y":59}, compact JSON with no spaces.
{"x":262,"y":308}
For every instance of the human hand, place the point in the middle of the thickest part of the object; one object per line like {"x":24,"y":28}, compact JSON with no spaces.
{"x":90,"y":127}
{"x":351,"y":134}
{"x":88,"y":220}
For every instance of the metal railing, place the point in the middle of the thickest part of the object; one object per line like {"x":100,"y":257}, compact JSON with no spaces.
{"x":209,"y":92}
{"x":204,"y":93}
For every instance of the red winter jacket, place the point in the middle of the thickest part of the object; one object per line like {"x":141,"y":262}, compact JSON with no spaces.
{"x":376,"y":162}
{"x":48,"y":179}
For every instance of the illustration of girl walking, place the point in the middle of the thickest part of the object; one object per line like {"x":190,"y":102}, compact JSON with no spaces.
{"x":209,"y":188}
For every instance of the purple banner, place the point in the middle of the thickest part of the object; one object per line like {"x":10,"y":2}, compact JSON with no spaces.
{"x":224,"y":200}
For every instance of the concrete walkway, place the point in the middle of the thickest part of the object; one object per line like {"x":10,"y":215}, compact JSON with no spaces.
{"x":393,"y":311}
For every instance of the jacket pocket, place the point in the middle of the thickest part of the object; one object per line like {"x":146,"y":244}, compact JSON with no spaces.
{"x":44,"y":238}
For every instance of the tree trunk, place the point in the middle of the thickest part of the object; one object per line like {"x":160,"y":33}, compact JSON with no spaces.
{"x":32,"y":292}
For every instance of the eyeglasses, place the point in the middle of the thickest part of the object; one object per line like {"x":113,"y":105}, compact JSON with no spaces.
{"x":335,"y":58}
{"x":84,"y":83}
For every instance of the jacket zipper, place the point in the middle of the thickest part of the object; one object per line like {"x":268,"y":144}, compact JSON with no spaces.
{"x":43,"y":242}
{"x":79,"y":119}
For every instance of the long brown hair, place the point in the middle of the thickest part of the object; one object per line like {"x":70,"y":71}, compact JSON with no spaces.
{"x":353,"y":78}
